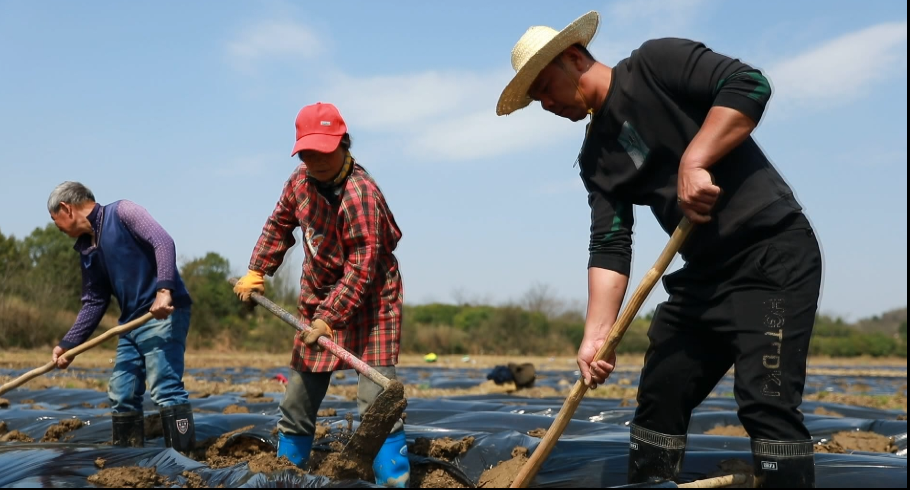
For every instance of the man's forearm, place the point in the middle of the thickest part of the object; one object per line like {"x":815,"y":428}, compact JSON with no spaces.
{"x":86,"y":322}
{"x":723,"y":130}
{"x":606,"y":290}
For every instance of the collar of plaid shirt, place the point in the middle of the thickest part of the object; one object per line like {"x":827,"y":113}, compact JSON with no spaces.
{"x":334,"y":185}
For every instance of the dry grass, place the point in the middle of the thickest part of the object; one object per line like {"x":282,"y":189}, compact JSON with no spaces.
{"x":99,"y":358}
{"x":200,"y":387}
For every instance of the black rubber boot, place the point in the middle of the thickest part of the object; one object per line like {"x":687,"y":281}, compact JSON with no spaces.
{"x":783,"y":464}
{"x":178,"y":427}
{"x":128,"y":429}
{"x":653,"y":456}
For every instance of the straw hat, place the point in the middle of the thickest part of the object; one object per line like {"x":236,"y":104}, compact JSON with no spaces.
{"x":535,"y":50}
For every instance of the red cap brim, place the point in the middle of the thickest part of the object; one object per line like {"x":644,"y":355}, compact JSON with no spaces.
{"x":323,"y":143}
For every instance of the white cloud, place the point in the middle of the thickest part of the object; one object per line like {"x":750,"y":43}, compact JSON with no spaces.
{"x":841,"y":69}
{"x":484,"y":134}
{"x":390,"y":103}
{"x":445,"y":116}
{"x":270,"y":39}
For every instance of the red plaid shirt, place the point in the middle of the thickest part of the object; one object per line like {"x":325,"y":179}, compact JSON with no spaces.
{"x":350,"y":275}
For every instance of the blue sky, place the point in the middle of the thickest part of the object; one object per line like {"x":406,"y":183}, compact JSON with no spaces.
{"x":188,"y":109}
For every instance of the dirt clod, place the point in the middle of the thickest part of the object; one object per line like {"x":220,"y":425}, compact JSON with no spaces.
{"x":235,"y":409}
{"x":849,"y":441}
{"x":322,"y":430}
{"x":128,"y":477}
{"x":539,"y":432}
{"x":4,"y":403}
{"x":233,"y":448}
{"x":55,"y":432}
{"x":826,"y":413}
{"x":99,"y":463}
{"x":444,"y":448}
{"x":193,"y":480}
{"x":16,"y":436}
{"x":328,"y":412}
{"x":728,"y":430}
{"x":433,"y":476}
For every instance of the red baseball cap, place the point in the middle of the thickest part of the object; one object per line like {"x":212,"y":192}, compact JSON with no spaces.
{"x":319,"y":128}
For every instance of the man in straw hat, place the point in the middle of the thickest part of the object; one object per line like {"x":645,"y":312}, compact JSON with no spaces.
{"x":670,"y":129}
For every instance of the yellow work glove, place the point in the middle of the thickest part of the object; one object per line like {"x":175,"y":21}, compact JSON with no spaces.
{"x":318,"y":328}
{"x":253,"y":281}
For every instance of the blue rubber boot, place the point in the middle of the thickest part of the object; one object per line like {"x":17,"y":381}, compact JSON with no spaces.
{"x":295,"y":448}
{"x":391,"y":466}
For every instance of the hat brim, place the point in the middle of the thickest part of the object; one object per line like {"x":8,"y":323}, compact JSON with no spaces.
{"x":515,"y":96}
{"x":323,"y":143}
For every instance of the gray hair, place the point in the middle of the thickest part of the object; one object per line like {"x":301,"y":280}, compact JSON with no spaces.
{"x":70,"y":193}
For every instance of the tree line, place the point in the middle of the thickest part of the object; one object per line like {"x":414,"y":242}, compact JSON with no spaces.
{"x":40,"y":294}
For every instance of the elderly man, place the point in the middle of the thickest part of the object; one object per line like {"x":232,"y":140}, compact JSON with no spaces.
{"x":124,"y":252}
{"x":671,"y":129}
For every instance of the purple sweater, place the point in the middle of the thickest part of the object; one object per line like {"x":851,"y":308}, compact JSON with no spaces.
{"x":96,"y":290}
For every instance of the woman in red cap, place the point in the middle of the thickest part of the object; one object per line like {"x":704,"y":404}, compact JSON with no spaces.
{"x":350,"y":289}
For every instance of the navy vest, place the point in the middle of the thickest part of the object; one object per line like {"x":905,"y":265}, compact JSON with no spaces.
{"x":130,"y":267}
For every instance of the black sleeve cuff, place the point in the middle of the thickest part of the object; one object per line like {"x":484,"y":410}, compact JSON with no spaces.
{"x":611,"y":262}
{"x":752,"y":108}
{"x":172,"y":285}
{"x":67,"y":345}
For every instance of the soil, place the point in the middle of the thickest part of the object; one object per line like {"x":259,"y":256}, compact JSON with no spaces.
{"x":501,"y":475}
{"x":128,"y":477}
{"x":195,"y":481}
{"x":16,"y":436}
{"x":894,"y":401}
{"x":4,"y":403}
{"x":433,"y":476}
{"x":3,"y":428}
{"x":444,"y":448}
{"x":229,"y":450}
{"x":849,"y":441}
{"x":322,"y":430}
{"x":235,"y":409}
{"x":538,"y":433}
{"x":728,"y":430}
{"x":328,"y":412}
{"x":731,"y":467}
{"x":55,"y":432}
{"x":356,"y":459}
{"x":336,"y":467}
{"x":827,"y":413}
{"x":257,"y":397}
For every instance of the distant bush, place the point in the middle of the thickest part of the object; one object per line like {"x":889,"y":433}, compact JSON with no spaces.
{"x":40,"y":291}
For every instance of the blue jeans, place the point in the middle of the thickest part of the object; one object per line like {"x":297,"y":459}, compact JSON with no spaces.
{"x":153,"y":353}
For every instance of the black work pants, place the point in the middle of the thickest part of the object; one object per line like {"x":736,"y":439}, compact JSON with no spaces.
{"x":754,"y":310}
